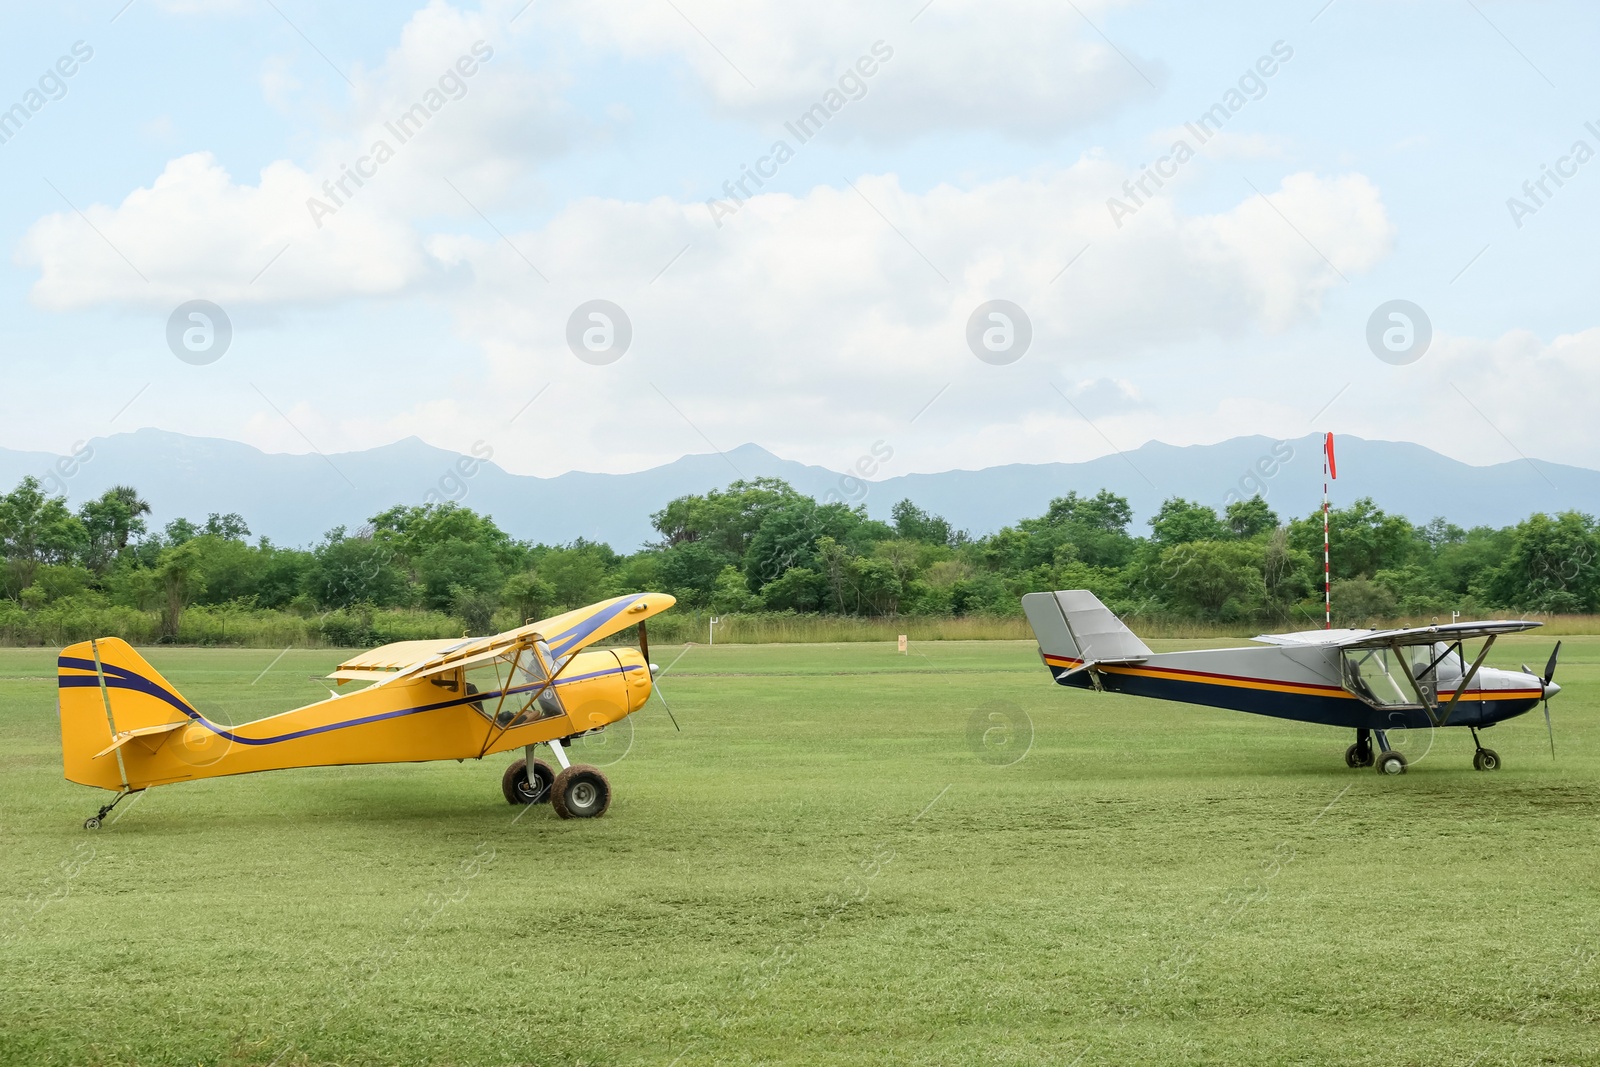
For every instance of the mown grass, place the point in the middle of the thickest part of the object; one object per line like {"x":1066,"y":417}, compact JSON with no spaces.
{"x":833,"y":863}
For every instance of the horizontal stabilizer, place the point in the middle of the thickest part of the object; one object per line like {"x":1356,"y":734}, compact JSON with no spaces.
{"x":144,"y":733}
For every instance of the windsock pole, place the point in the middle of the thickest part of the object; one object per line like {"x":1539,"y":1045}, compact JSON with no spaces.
{"x":1329,"y":470}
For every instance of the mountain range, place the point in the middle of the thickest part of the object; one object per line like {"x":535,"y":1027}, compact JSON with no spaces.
{"x":294,"y":499}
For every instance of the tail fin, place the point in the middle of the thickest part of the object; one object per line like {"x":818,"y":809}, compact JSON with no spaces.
{"x":109,"y":696}
{"x":1073,"y":628}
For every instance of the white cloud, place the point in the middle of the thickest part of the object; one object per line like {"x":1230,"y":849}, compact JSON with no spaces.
{"x":1500,"y":399}
{"x":193,"y":232}
{"x":1020,"y":66}
{"x":809,"y":318}
{"x":443,"y":109}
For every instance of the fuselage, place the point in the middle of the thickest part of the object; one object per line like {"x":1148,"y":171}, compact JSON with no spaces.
{"x":458,"y":714}
{"x":1303,"y":683}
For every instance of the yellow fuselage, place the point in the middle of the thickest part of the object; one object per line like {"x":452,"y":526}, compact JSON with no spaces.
{"x":124,"y":727}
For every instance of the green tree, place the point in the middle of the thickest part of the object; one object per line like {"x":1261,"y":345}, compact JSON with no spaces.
{"x":731,"y":595}
{"x":109,"y":521}
{"x":179,"y":571}
{"x":797,"y":589}
{"x":1096,"y":527}
{"x":36,"y":530}
{"x":348,"y":570}
{"x":914,"y":524}
{"x":726,"y":519}
{"x":689,"y":570}
{"x":1250,"y":517}
{"x":1180,"y":522}
{"x":1365,"y":539}
{"x":1359,"y":601}
{"x":136,"y":508}
{"x":1552,"y":565}
{"x":1216,"y":579}
{"x":529,"y":595}
{"x":229,"y":527}
{"x":577,"y":572}
{"x":788,"y":537}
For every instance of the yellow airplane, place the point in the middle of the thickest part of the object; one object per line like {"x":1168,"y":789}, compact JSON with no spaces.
{"x":125,"y":728}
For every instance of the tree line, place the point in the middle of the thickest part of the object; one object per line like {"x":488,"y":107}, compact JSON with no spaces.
{"x":761,"y":546}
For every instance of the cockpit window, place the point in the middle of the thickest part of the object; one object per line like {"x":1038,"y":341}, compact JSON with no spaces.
{"x":1376,"y":675}
{"x":529,"y":692}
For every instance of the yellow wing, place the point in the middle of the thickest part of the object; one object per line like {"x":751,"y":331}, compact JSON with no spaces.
{"x":566,"y":633}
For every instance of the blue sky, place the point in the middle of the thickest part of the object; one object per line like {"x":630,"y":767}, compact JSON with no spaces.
{"x":830,"y":310}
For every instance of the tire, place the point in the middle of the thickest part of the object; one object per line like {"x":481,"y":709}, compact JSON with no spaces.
{"x":515,"y":783}
{"x":1486,"y":759}
{"x":580,"y":792}
{"x":1356,"y":756}
{"x":1391,"y":762}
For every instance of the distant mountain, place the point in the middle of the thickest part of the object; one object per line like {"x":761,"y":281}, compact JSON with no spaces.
{"x":294,"y":499}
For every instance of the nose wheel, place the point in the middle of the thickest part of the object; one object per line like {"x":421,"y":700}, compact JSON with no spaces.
{"x":1484,"y":759}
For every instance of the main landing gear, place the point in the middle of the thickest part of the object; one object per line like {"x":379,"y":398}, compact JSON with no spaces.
{"x":1388,"y":761}
{"x":1484,"y":759}
{"x":578,"y":792}
{"x":1360,"y":754}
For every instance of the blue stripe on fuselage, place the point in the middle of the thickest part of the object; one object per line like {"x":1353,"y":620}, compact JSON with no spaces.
{"x":122,"y":678}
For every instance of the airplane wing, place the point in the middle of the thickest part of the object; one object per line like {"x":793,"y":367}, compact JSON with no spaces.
{"x":1358,"y":639}
{"x":565,"y":633}
{"x":1312,"y":638}
{"x":1450,"y":631}
{"x":572,"y":630}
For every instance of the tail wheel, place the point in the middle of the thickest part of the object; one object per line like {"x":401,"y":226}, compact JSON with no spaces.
{"x":1358,"y":756}
{"x":1391,"y":762}
{"x":521,"y":788}
{"x":580,"y":792}
{"x":1486,"y":759}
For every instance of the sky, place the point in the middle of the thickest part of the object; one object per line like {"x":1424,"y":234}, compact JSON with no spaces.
{"x":601,"y":234}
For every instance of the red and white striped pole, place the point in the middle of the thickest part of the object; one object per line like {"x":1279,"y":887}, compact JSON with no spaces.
{"x":1329,"y":470}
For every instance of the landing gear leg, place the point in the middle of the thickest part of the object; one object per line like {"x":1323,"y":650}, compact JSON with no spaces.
{"x":560,"y":754}
{"x":1360,"y":753}
{"x":1484,"y":759}
{"x":93,"y":821}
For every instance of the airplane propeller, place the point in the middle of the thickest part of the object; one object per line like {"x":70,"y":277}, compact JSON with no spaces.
{"x":1544,"y":693}
{"x":644,"y":650}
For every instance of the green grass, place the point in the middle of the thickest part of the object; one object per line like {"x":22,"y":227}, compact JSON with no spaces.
{"x":820,"y":868}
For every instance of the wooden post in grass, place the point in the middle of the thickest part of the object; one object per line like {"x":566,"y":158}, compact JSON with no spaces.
{"x":902,"y":644}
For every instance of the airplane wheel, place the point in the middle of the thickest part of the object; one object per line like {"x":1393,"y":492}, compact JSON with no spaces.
{"x":1486,"y":759}
{"x":92,"y":823}
{"x":580,"y":792}
{"x":1391,"y":762}
{"x":1356,"y":756}
{"x":519,"y":790}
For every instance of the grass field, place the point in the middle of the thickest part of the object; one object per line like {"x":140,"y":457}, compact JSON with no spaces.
{"x":846,"y":856}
